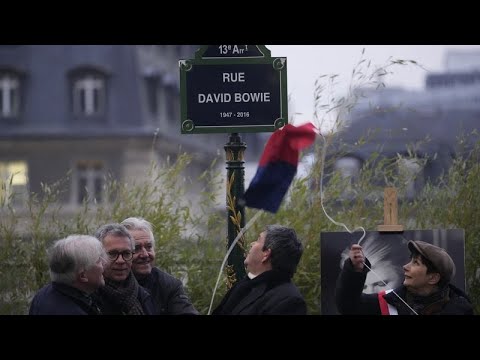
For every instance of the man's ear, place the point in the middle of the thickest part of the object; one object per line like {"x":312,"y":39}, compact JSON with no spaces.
{"x":266,"y":255}
{"x":433,"y":278}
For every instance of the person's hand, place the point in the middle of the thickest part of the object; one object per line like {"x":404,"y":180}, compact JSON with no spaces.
{"x":357,"y":258}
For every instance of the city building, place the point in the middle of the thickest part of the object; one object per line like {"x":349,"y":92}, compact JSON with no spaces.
{"x":92,"y":111}
{"x":418,"y":130}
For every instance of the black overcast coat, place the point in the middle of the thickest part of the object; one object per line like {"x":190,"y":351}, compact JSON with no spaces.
{"x":270,"y":293}
{"x":61,"y":299}
{"x":168,"y":294}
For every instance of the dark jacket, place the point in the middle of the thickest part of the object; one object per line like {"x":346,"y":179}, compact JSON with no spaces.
{"x":270,"y":293}
{"x":350,"y":299}
{"x":168,"y":294}
{"x":61,"y":299}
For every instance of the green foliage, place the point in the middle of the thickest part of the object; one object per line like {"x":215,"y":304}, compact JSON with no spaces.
{"x":191,"y":244}
{"x":191,"y":238}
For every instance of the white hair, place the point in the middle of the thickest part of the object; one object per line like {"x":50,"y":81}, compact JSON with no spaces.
{"x":138,"y":223}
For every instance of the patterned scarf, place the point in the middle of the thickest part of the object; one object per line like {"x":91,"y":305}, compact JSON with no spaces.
{"x":431,"y":304}
{"x":123,"y":295}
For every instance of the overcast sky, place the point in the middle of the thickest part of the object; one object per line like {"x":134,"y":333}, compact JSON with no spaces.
{"x":307,"y":62}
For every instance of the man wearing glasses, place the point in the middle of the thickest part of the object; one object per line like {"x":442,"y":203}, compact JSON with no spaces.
{"x":121,"y":295}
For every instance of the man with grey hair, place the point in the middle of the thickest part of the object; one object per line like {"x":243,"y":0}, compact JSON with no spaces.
{"x":167,"y":291}
{"x":76,"y":270}
{"x":268,"y":290}
{"x":121,"y":295}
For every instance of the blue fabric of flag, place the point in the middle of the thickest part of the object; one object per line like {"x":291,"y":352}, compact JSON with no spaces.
{"x":278,"y":166}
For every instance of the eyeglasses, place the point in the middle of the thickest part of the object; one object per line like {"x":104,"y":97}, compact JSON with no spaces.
{"x":127,"y":255}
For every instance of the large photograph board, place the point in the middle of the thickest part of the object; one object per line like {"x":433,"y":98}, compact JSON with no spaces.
{"x":387,"y":253}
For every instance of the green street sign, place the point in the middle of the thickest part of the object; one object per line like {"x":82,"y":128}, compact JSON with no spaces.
{"x":233,"y":88}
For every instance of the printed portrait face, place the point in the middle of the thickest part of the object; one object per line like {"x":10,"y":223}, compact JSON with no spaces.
{"x":384,"y":275}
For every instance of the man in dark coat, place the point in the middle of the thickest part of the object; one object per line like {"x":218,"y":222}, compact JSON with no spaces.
{"x":167,"y":291}
{"x":426,"y":289}
{"x":121,"y":295}
{"x":76,"y":270}
{"x":268,"y":288}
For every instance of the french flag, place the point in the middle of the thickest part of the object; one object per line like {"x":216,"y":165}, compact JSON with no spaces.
{"x":278,"y":166}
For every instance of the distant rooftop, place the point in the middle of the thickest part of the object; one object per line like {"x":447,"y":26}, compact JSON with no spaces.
{"x":462,"y":69}
{"x":461,"y":61}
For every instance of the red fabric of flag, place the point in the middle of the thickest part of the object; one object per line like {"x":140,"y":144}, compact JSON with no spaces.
{"x":278,"y":166}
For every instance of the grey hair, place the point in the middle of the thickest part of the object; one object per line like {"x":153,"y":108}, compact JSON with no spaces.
{"x":138,"y":223}
{"x":115,"y":230}
{"x":67,"y":257}
{"x":286,"y":248}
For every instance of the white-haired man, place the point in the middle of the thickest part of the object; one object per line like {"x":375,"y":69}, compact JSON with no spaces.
{"x":76,"y":270}
{"x":167,"y":291}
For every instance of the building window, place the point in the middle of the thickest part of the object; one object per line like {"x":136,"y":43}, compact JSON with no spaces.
{"x":9,"y":95}
{"x":13,"y":182}
{"x":89,"y":95}
{"x":89,"y":181}
{"x":152,"y":85}
{"x":172,"y":103}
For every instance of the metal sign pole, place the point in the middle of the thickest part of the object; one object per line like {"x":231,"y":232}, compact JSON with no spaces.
{"x":234,"y":151}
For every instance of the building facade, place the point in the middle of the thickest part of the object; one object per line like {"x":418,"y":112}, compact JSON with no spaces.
{"x":418,"y":130}
{"x":90,"y":111}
